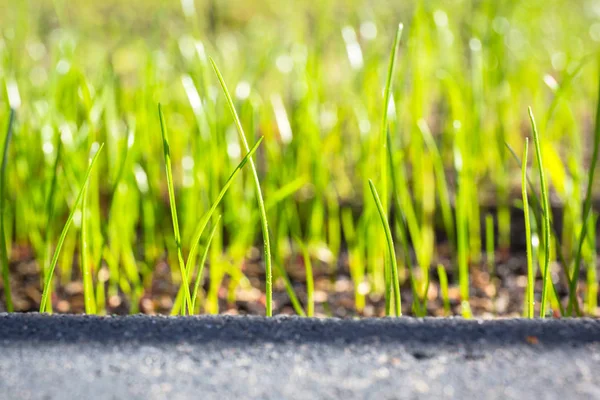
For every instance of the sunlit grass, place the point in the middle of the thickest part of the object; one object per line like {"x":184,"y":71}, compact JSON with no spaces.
{"x":431,"y":109}
{"x":48,"y":278}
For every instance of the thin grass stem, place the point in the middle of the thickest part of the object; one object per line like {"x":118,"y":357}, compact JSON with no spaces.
{"x":261,"y":204}
{"x":63,"y":234}
{"x":391,"y":252}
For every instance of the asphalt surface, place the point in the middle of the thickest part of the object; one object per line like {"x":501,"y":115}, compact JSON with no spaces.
{"x":141,"y":357}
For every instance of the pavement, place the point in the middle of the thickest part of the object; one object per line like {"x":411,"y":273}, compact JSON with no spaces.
{"x":221,"y":357}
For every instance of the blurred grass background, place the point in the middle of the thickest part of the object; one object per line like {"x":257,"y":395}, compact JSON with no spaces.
{"x":309,"y":77}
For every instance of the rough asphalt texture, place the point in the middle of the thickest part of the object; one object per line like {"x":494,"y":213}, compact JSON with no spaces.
{"x":141,"y":357}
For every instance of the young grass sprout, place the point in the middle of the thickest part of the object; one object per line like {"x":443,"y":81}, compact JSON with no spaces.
{"x":394,"y":285}
{"x":530,"y":277}
{"x":3,"y":244}
{"x":63,"y":235}
{"x":546,"y":216}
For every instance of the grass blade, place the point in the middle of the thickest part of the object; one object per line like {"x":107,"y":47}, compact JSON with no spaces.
{"x":391,"y":252}
{"x":63,"y":234}
{"x":310,"y":284}
{"x":546,"y":217}
{"x":261,"y":204}
{"x":529,"y":252}
{"x":537,"y":205}
{"x":173,"y":207}
{"x":587,"y":207}
{"x":202,"y":262}
{"x":207,"y":216}
{"x":3,"y":248}
{"x":385,"y":135}
{"x":86,"y":271}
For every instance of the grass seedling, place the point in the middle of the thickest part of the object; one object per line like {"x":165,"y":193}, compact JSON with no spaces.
{"x":49,"y":205}
{"x":203,"y":261}
{"x":592,"y":256}
{"x":174,"y":218}
{"x":395,"y":283}
{"x":386,"y":140}
{"x":204,"y":221}
{"x":63,"y":234}
{"x":310,"y":285}
{"x":546,"y":215}
{"x":405,"y":215}
{"x":261,"y":204}
{"x":86,"y":270}
{"x":587,"y":207}
{"x":3,"y":244}
{"x":537,"y":205}
{"x":530,"y":277}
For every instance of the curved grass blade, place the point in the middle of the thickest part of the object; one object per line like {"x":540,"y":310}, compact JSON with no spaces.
{"x":406,"y":218}
{"x":3,"y":249}
{"x":261,"y":204}
{"x":173,"y":207}
{"x":391,"y":252}
{"x":63,"y":234}
{"x":207,"y":216}
{"x":546,"y":217}
{"x":530,"y":277}
{"x":202,"y":262}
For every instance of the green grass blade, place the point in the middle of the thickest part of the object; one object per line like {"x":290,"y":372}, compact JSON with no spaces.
{"x":63,"y":234}
{"x":587,"y":207}
{"x":3,"y":248}
{"x":391,"y":251}
{"x":173,"y":207}
{"x":310,"y":284}
{"x":530,"y":277}
{"x":546,"y":218}
{"x":208,"y":215}
{"x":261,"y":204}
{"x":50,"y":197}
{"x":202,"y":262}
{"x":88,"y":284}
{"x":537,"y":205}
{"x":385,"y":136}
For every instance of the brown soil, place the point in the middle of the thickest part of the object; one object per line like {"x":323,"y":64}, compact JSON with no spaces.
{"x":498,"y":295}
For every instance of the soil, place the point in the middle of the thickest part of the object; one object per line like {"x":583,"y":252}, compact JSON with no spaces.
{"x":500,"y":294}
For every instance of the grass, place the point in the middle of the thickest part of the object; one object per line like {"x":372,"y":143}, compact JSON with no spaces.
{"x":174,"y":218}
{"x":259,"y":196}
{"x":48,"y":278}
{"x":3,"y":244}
{"x":530,"y":275}
{"x":331,"y":94}
{"x":393,"y":284}
{"x":546,"y":215}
